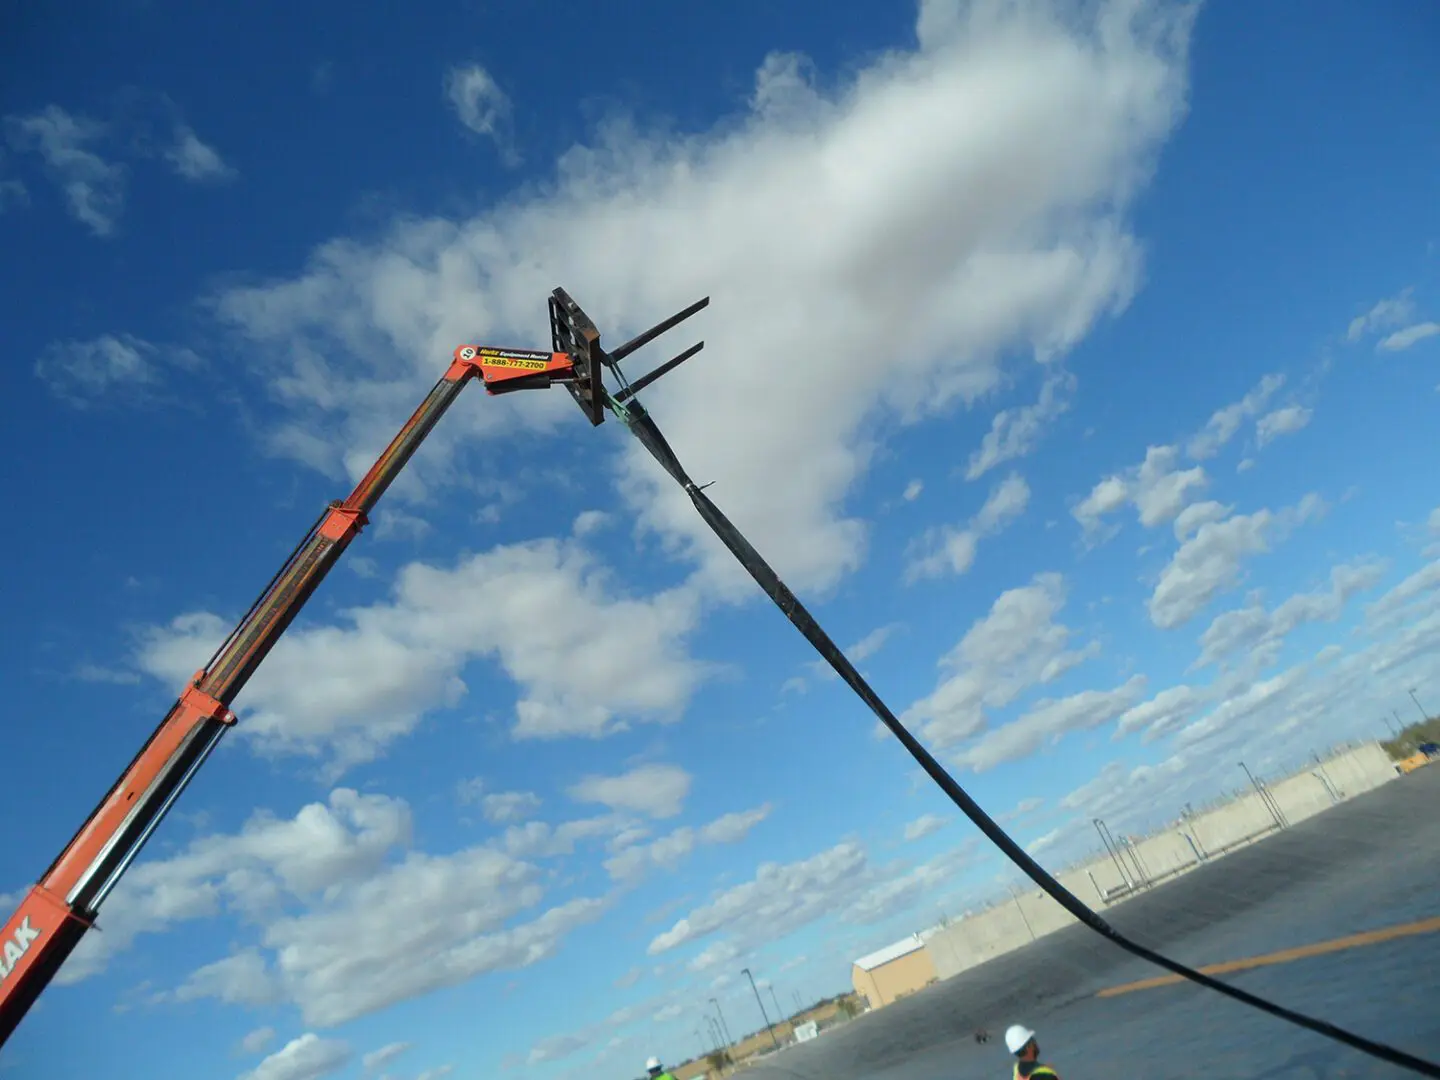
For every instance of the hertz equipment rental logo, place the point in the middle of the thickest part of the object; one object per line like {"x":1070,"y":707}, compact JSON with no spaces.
{"x":16,"y":946}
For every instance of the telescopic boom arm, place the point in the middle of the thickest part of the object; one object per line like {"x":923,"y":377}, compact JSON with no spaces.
{"x":63,"y":905}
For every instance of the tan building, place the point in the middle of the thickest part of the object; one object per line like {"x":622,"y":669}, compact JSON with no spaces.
{"x":892,"y":972}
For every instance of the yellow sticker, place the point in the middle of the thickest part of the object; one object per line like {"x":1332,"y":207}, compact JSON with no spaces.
{"x":508,"y":362}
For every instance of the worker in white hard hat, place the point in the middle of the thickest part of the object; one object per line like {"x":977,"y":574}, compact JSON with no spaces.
{"x":1020,"y":1041}
{"x":654,"y":1071}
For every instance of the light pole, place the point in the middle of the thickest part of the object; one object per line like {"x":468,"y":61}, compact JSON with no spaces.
{"x":779,"y":1012}
{"x":1264,"y":798}
{"x":1424,"y":716}
{"x":1100,"y":828}
{"x":1394,"y":731}
{"x":1016,"y":897}
{"x":729,"y":1041}
{"x":763,"y":1015}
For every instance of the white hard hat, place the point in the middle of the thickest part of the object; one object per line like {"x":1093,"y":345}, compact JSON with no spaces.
{"x":1016,"y":1037}
{"x":653,"y":1063}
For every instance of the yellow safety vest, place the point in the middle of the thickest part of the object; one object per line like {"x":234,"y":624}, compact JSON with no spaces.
{"x":1039,"y":1072}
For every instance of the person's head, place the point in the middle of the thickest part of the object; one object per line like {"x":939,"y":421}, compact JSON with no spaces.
{"x":1020,"y":1041}
{"x":652,"y":1067}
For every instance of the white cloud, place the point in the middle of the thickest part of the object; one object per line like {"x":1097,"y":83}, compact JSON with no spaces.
{"x":923,"y":826}
{"x":378,"y":1059}
{"x":94,"y":188}
{"x":1157,"y":487}
{"x":781,"y":898}
{"x":345,"y":928}
{"x":501,"y":807}
{"x":81,"y":372}
{"x":1261,"y":632}
{"x":341,"y":840}
{"x":1162,"y":714}
{"x":350,"y":958}
{"x":1411,"y":335}
{"x":1284,"y":421}
{"x":631,"y":861}
{"x":97,"y":674}
{"x":1224,"y":423}
{"x":1024,"y":808}
{"x":972,"y":200}
{"x":194,"y":159}
{"x":506,"y":806}
{"x":1015,"y":646}
{"x":1244,"y":705}
{"x":658,"y":791}
{"x":1386,"y":314}
{"x":481,"y":106}
{"x":949,"y":550}
{"x":588,"y":522}
{"x":716,"y":953}
{"x":256,"y":1041}
{"x":1208,"y":562}
{"x":913,"y":490}
{"x":894,"y":896}
{"x":1016,"y":432}
{"x":589,"y":661}
{"x":1049,"y":720}
{"x":857,"y":653}
{"x":13,"y":194}
{"x":1399,"y":601}
{"x":307,"y":1058}
{"x":241,"y":979}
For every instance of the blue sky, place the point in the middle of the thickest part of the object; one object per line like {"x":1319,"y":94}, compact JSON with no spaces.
{"x":1079,"y":372}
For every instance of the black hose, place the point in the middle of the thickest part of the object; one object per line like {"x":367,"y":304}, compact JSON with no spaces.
{"x":645,"y":429}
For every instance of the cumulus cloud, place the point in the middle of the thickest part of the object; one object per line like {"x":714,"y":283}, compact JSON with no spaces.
{"x":1157,"y":488}
{"x":633,"y":860}
{"x":589,"y":660}
{"x":501,"y":806}
{"x":1164,"y":713}
{"x":1407,"y":599}
{"x":241,"y":979}
{"x":782,"y":898}
{"x":307,"y":1058}
{"x":946,"y":549}
{"x":657,"y":791}
{"x":970,"y":198}
{"x":1048,"y":721}
{"x":1210,"y":557}
{"x":256,"y":1041}
{"x":341,"y":840}
{"x":1410,"y":335}
{"x":923,"y":826}
{"x":1261,"y":632}
{"x":322,"y":891}
{"x":1286,"y":421}
{"x":378,"y":1059}
{"x":1015,"y":646}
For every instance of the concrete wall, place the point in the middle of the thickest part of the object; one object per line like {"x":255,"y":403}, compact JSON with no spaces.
{"x":903,"y":975}
{"x":1110,"y":878}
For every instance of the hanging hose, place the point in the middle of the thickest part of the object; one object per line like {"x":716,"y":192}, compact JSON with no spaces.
{"x":644,"y":428}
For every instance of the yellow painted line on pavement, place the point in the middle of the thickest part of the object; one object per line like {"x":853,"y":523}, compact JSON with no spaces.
{"x":1285,"y":956}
